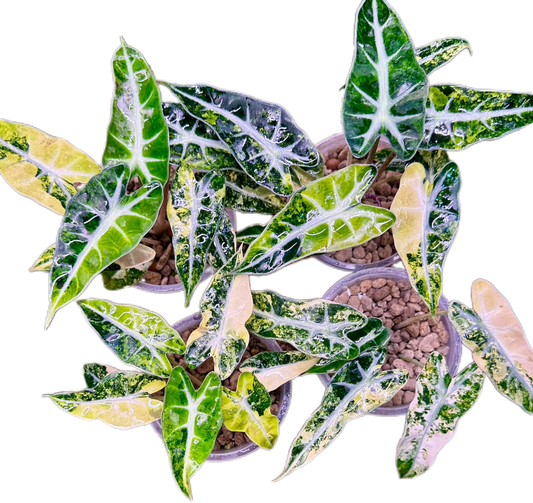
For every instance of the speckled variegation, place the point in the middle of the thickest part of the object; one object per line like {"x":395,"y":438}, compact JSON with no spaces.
{"x":45,"y":260}
{"x":42,"y":167}
{"x":440,"y":52}
{"x":497,"y":341}
{"x":95,"y":373}
{"x":102,"y":223}
{"x":458,"y":117}
{"x":386,"y":91}
{"x":190,"y":423}
{"x":250,"y":234}
{"x":426,"y":207}
{"x":129,"y":269}
{"x":224,"y":245}
{"x":324,"y":216}
{"x":194,"y":211}
{"x":440,"y":401}
{"x":356,"y":390}
{"x":248,"y":410}
{"x":318,"y":328}
{"x":121,"y":399}
{"x":137,"y":135}
{"x":263,"y":137}
{"x":137,"y":336}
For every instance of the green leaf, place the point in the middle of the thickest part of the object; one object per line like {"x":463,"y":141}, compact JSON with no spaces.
{"x":45,"y":260}
{"x":95,"y":373}
{"x":102,"y":223}
{"x":194,"y":211}
{"x":263,"y":137}
{"x":317,"y":328}
{"x":137,"y":336}
{"x":324,"y":216}
{"x":356,"y":390}
{"x":250,"y":234}
{"x":458,"y":117}
{"x":497,"y":341}
{"x":440,"y":401}
{"x":387,"y":90}
{"x":121,"y":399}
{"x":248,"y":410}
{"x":226,"y":306}
{"x":129,"y":269}
{"x":426,"y":207}
{"x":42,"y":167}
{"x":440,"y":52}
{"x":137,"y":135}
{"x":224,"y":246}
{"x":190,"y":423}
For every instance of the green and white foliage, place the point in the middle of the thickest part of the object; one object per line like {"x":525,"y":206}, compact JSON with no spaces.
{"x":440,"y":401}
{"x":120,"y":399}
{"x":129,"y":269}
{"x":190,"y":423}
{"x":137,"y":136}
{"x":224,"y":245}
{"x":137,"y":336}
{"x":426,"y":207}
{"x":440,"y":52}
{"x":102,"y":223}
{"x":226,"y":306}
{"x":45,"y":260}
{"x":262,"y":136}
{"x":248,"y":410}
{"x":95,"y":373}
{"x":356,"y":390}
{"x":459,"y":116}
{"x":386,"y":91}
{"x":497,"y":341}
{"x":250,"y":234}
{"x":324,"y":216}
{"x":42,"y":167}
{"x":318,"y":328}
{"x":194,"y":212}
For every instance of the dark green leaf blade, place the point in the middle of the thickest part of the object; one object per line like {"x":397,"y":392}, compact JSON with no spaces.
{"x":440,"y":52}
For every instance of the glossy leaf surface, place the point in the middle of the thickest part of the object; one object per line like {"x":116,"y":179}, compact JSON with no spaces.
{"x":250,"y":234}
{"x":224,"y":245}
{"x":95,"y":373}
{"x":440,"y":401}
{"x":440,"y":52}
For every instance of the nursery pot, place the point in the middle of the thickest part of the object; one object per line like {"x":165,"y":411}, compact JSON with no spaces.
{"x":454,"y":342}
{"x":192,"y":322}
{"x":325,"y":146}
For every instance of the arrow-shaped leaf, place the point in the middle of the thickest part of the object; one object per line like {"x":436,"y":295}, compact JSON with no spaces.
{"x":440,"y":52}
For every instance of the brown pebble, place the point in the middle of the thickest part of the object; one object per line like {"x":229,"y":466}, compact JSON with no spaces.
{"x":333,"y":164}
{"x":154,"y":278}
{"x":408,"y":396}
{"x":164,"y":257}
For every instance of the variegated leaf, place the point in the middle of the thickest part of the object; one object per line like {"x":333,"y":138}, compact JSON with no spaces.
{"x":458,"y":117}
{"x":250,"y":234}
{"x":102,"y":223}
{"x":440,"y":52}
{"x":95,"y":373}
{"x":121,"y":399}
{"x":137,"y":336}
{"x":194,"y":211}
{"x":440,"y":401}
{"x":129,"y":269}
{"x":190,"y":423}
{"x":497,"y":341}
{"x":356,"y":390}
{"x":42,"y":167}
{"x":324,"y":216}
{"x":263,"y":137}
{"x":226,"y":306}
{"x":45,"y":260}
{"x":248,"y":410}
{"x":138,"y":135}
{"x":318,"y":328}
{"x":224,"y":245}
{"x":274,"y":369}
{"x":386,"y":91}
{"x":426,"y":207}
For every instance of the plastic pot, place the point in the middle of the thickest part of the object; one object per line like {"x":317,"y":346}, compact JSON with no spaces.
{"x":454,"y":355}
{"x":192,"y":322}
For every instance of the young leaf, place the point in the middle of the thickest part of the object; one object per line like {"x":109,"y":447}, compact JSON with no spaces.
{"x":137,"y":135}
{"x":194,"y":211}
{"x":356,"y":390}
{"x":226,"y":306}
{"x":318,"y":328}
{"x":95,"y":373}
{"x":101,"y":224}
{"x":45,"y":260}
{"x":427,"y":218}
{"x":190,"y":423}
{"x":324,"y":216}
{"x":248,"y":410}
{"x":42,"y":167}
{"x":497,"y":341}
{"x":387,"y":90}
{"x":223,"y":247}
{"x":121,"y":399}
{"x":137,"y":336}
{"x":458,"y":117}
{"x":440,"y":401}
{"x":250,"y":234}
{"x":262,"y":136}
{"x":440,"y":52}
{"x":129,"y":269}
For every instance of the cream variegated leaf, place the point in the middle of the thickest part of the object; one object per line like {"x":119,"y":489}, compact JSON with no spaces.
{"x":45,"y":260}
{"x":129,"y":269}
{"x":440,"y":52}
{"x":224,"y":245}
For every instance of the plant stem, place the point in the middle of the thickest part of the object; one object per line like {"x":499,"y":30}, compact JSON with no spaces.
{"x":414,"y":319}
{"x":386,"y":180}
{"x":372,"y":152}
{"x":410,"y":360}
{"x":384,"y":166}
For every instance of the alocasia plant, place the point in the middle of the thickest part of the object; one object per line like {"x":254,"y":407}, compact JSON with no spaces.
{"x":250,"y":234}
{"x":440,"y":52}
{"x":45,"y":260}
{"x":224,"y":245}
{"x":95,"y":373}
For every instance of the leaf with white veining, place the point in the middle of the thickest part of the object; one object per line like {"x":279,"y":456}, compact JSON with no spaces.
{"x":95,"y":373}
{"x":440,"y":52}
{"x":129,"y":269}
{"x":250,"y":234}
{"x":45,"y":260}
{"x":224,"y":245}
